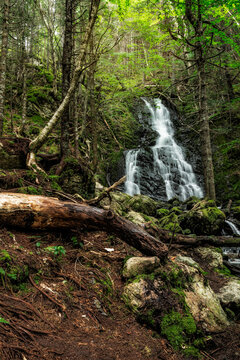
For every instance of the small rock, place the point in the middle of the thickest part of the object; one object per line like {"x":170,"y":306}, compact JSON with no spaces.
{"x":213,"y":258}
{"x":140,"y":265}
{"x":230,"y":293}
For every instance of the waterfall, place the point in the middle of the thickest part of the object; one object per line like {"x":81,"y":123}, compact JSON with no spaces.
{"x":168,"y":162}
{"x":233,"y":228}
{"x":132,"y":172}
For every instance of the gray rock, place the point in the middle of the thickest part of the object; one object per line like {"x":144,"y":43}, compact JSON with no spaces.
{"x":213,"y":258}
{"x":139,"y":295}
{"x":140,"y":265}
{"x":230,"y":293}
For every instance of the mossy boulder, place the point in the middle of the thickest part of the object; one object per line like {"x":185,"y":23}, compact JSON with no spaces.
{"x":190,"y":202}
{"x":143,"y":204}
{"x":203,"y":303}
{"x":203,"y":219}
{"x":170,"y":222}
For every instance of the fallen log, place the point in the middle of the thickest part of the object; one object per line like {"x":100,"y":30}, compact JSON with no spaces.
{"x":42,"y":213}
{"x":168,"y":237}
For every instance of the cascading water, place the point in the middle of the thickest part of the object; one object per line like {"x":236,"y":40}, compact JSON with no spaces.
{"x":233,"y":227}
{"x":168,"y":162}
{"x":132,"y":182}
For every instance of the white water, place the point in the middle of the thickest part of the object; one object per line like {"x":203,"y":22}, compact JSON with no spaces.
{"x":132,"y":172}
{"x":233,"y":227}
{"x":168,"y":158}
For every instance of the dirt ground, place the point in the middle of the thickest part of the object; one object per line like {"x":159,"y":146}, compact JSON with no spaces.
{"x":60,"y":298}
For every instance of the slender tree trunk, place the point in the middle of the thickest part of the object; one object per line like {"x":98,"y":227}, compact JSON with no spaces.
{"x":3,"y":60}
{"x":193,"y":13}
{"x":205,"y":135}
{"x":67,"y":59}
{"x":93,"y":114}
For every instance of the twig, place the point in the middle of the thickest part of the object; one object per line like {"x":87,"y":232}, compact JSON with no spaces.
{"x":104,"y":193}
{"x":62,"y":307}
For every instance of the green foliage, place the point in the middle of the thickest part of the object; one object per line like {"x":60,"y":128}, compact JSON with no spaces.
{"x":76,"y":242}
{"x":57,"y":251}
{"x":4,"y":321}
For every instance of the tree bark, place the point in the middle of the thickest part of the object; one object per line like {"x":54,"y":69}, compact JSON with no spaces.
{"x":3,"y":60}
{"x":42,"y":213}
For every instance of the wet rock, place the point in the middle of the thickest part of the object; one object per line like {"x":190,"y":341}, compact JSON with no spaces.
{"x":140,"y":265}
{"x":212,"y":257}
{"x":230,"y":294}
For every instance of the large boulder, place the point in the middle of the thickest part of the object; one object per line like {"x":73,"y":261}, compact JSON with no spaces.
{"x":140,"y":265}
{"x":203,"y":219}
{"x":203,"y":303}
{"x":143,"y":204}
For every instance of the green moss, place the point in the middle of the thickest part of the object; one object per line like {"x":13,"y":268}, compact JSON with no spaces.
{"x":5,"y":256}
{"x":162,"y":212}
{"x":176,"y":210}
{"x":224,"y":271}
{"x":137,"y":278}
{"x":178,"y":328}
{"x":170,"y":222}
{"x":142,"y":204}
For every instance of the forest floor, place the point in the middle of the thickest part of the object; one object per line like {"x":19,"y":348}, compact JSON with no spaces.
{"x":68,"y":305}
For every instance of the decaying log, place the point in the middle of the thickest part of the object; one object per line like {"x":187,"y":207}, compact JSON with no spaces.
{"x":42,"y":213}
{"x":169,"y":237}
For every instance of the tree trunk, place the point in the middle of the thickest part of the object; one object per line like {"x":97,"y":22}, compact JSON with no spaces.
{"x":205,"y":134}
{"x":67,"y":60}
{"x":42,"y":213}
{"x":42,"y":137}
{"x":3,"y":60}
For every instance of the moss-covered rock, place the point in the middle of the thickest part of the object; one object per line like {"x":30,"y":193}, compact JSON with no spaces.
{"x":143,"y":204}
{"x":161,"y":213}
{"x":203,"y":303}
{"x":170,"y":222}
{"x":203,"y":219}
